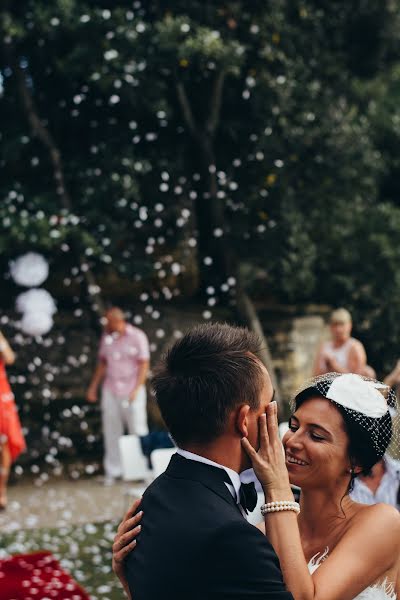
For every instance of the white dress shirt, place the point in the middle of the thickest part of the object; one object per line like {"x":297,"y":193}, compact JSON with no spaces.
{"x":387,"y":491}
{"x":235,"y":484}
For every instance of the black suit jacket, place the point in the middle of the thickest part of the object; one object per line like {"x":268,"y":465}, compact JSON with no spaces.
{"x":195,"y":544}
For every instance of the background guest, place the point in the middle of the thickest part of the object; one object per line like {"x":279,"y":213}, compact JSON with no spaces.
{"x":382,"y":485}
{"x":12,"y":441}
{"x":342,"y":353}
{"x":393,"y":379}
{"x":123,"y":364}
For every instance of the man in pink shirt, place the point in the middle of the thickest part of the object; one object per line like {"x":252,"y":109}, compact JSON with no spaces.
{"x":123,"y":364}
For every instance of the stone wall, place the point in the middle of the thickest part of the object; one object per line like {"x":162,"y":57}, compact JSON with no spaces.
{"x":294,"y":342}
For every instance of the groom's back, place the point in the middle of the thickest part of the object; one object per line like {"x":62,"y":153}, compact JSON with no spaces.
{"x":177,"y":522}
{"x":195,"y":544}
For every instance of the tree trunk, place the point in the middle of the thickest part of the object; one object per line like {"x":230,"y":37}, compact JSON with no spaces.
{"x":248,"y":314}
{"x":40,"y":131}
{"x":210,"y":219}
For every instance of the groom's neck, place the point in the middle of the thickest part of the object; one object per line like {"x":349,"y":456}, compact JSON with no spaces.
{"x":219,"y":452}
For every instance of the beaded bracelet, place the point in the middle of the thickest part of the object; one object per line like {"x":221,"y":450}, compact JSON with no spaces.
{"x":270,"y":507}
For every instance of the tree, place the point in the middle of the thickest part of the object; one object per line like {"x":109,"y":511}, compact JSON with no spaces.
{"x":223,"y":134}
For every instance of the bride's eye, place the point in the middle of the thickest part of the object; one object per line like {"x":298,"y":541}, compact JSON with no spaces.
{"x":316,"y":437}
{"x":292,"y":426}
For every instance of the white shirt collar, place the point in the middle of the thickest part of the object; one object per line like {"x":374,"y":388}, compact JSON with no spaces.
{"x":392,"y":466}
{"x":233,"y":476}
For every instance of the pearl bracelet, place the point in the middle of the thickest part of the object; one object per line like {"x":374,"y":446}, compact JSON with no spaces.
{"x":270,"y":507}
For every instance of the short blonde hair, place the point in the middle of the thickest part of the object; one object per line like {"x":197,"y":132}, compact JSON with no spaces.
{"x":340,"y":315}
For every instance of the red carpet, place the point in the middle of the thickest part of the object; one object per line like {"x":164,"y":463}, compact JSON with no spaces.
{"x":37,"y":576}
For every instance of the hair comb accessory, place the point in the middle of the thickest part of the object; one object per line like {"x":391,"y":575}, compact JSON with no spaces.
{"x":370,"y":402}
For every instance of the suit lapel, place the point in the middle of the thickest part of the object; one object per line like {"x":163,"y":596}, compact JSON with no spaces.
{"x":211,"y":477}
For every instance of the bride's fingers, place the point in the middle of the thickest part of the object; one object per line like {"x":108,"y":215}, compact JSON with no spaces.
{"x":121,"y":541}
{"x":248,"y":448}
{"x":132,"y":509}
{"x":263,"y":432}
{"x":130,"y":523}
{"x":272,"y":421}
{"x":119,"y":556}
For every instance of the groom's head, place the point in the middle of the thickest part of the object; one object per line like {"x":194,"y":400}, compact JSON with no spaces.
{"x":211,"y":388}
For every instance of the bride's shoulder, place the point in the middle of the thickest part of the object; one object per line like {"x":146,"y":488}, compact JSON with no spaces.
{"x":379,"y":510}
{"x":379,"y":517}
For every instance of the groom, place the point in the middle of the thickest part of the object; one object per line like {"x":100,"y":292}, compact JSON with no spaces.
{"x":196,"y":543}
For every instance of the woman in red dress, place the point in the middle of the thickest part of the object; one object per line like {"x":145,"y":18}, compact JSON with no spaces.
{"x":12,"y":441}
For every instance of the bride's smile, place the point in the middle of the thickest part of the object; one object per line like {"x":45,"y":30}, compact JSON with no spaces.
{"x":292,"y":460}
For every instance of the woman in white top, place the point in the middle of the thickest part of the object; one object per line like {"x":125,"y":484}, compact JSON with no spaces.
{"x":333,"y":548}
{"x":342,"y":353}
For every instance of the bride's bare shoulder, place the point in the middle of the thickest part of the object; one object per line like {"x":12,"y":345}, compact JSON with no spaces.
{"x":379,"y":516}
{"x":380,"y":510}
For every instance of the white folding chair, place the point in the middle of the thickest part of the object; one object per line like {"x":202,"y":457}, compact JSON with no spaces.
{"x":160,"y":459}
{"x":133,"y":461}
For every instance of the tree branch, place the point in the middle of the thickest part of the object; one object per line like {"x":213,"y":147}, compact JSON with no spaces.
{"x":40,"y":131}
{"x":248,"y":313}
{"x":186,"y":109}
{"x":215,"y":104}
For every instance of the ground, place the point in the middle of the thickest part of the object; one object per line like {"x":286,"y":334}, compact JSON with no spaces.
{"x":76,"y":521}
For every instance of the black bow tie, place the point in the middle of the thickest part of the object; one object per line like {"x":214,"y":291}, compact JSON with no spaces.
{"x":248,"y":496}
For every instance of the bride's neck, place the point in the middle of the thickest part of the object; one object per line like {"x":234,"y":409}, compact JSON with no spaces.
{"x":322,"y":513}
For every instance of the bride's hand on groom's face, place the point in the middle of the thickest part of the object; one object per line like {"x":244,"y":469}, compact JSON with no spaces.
{"x":269,"y":461}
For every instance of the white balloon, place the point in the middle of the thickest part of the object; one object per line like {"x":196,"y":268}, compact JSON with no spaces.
{"x":29,"y":270}
{"x":36,"y":323}
{"x":36,"y":300}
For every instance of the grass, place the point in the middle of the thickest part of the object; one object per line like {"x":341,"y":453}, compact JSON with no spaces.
{"x":84,"y":551}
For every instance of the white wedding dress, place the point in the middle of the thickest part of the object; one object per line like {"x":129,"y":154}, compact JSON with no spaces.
{"x":383,"y":591}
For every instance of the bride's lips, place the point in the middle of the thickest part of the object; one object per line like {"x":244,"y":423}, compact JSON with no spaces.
{"x":294,"y":460}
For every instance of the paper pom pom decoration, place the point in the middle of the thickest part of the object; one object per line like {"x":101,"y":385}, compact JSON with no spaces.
{"x":29,"y":270}
{"x":36,"y":300}
{"x":37,"y":305}
{"x":36,"y":323}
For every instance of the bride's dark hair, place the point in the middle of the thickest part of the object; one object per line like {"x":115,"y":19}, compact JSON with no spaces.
{"x":362,"y":450}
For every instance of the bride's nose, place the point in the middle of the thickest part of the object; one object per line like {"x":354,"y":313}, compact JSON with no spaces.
{"x":295,"y":440}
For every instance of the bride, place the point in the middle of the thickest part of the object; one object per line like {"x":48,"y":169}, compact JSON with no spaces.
{"x":329,"y":547}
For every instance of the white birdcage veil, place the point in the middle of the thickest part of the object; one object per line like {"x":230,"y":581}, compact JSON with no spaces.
{"x":368,"y":402}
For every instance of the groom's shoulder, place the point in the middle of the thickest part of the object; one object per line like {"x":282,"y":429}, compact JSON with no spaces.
{"x":180,"y":488}
{"x":190,"y":501}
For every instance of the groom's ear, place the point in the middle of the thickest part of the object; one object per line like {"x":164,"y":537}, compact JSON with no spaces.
{"x":242,"y":420}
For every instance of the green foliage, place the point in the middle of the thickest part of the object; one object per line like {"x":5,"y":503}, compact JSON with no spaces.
{"x":189,"y":44}
{"x":305,"y":146}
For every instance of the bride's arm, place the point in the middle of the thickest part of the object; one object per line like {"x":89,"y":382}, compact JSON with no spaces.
{"x":364,"y":555}
{"x":281,"y":527}
{"x":125,"y":542}
{"x":360,"y":558}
